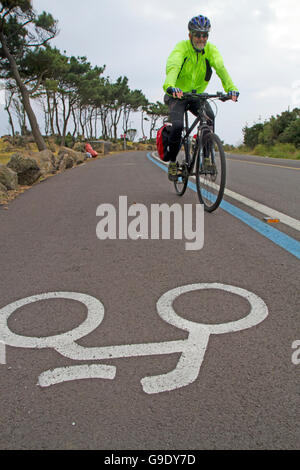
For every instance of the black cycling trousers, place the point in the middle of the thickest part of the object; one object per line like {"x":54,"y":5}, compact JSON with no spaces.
{"x":176,"y":117}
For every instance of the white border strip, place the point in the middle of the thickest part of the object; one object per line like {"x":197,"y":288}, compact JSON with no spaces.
{"x":267,"y":211}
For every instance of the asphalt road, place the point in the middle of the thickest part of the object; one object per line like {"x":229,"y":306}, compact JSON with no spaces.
{"x":245,"y":392}
{"x":271,"y":181}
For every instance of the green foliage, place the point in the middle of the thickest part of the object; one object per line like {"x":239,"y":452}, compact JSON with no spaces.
{"x":279,"y":150}
{"x":23,"y":5}
{"x":46,"y":22}
{"x":292,"y":133}
{"x":267,"y":135}
{"x":283,"y":128}
{"x":69,"y":140}
{"x":251,"y":135}
{"x":20,"y":29}
{"x":158,"y":109}
{"x":69,"y":89}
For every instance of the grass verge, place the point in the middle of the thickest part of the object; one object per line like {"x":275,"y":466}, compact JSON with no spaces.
{"x":287,"y":151}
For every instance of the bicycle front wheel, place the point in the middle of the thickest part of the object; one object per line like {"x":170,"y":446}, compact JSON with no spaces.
{"x":211,"y":172}
{"x":183,"y":174}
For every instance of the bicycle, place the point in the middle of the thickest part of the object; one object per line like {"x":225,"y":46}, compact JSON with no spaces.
{"x":207,"y":152}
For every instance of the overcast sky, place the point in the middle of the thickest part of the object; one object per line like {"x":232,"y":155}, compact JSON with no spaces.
{"x":259,"y":42}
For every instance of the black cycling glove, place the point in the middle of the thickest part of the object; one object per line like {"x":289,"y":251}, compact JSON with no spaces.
{"x":172,"y":90}
{"x":234,"y":93}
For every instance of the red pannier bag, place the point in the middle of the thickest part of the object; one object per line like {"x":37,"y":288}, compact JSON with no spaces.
{"x":162,"y":141}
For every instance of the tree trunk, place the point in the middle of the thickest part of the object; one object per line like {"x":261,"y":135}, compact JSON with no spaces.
{"x":91,"y":124}
{"x":25,"y":96}
{"x":116,"y":119}
{"x":80,"y":120}
{"x":126,"y":114}
{"x":142,"y":122}
{"x":75,"y":122}
{"x":46,"y":117}
{"x":66,"y":117}
{"x":51,"y":113}
{"x":95,"y":124}
{"x":10,"y":119}
{"x":55,"y":104}
{"x":104,"y":112}
{"x":154,"y":120}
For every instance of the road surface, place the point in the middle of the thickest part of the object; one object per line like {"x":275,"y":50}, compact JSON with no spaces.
{"x":143,"y":344}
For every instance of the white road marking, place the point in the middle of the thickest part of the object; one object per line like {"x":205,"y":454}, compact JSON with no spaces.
{"x":192,"y":349}
{"x":2,"y":353}
{"x":274,"y":214}
{"x":94,"y":318}
{"x":66,"y":374}
{"x":188,"y":367}
{"x":257,"y":314}
{"x":268,"y":211}
{"x":263,"y":164}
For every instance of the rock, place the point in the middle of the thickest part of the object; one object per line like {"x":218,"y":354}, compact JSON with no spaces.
{"x":8,"y":147}
{"x":117,"y":147}
{"x":51,"y":143}
{"x":7,"y":138}
{"x":101,"y":146}
{"x":3,"y":189}
{"x":66,"y":162}
{"x":81,"y":157}
{"x":52,"y":147}
{"x":77,"y":157}
{"x":27,"y":169}
{"x":8,"y":178}
{"x":46,"y":160}
{"x":79,"y":147}
{"x":27,"y":139}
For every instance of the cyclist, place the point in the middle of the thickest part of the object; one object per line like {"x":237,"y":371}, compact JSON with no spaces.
{"x":189,"y":67}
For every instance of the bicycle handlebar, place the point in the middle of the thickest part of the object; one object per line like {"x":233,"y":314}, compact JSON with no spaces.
{"x":220,"y":95}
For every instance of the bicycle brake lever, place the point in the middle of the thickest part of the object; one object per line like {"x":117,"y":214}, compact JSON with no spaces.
{"x":225,"y":98}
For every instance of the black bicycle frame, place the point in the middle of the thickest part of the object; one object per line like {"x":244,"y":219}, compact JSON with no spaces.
{"x":188,"y":130}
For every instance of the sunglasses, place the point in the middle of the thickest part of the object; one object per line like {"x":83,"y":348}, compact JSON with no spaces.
{"x":200,"y":35}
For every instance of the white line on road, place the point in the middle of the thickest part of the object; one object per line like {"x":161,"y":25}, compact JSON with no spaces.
{"x":2,"y":353}
{"x":268,"y":211}
{"x":285,"y":219}
{"x":264,"y":164}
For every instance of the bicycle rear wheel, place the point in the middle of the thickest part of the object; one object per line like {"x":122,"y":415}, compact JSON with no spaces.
{"x":211,"y":172}
{"x":183,"y":178}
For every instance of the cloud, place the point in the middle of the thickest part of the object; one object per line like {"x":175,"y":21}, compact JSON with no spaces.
{"x":152,"y":11}
{"x":274,"y":92}
{"x":283,"y":32}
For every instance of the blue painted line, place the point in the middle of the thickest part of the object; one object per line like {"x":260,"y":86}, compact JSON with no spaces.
{"x":279,"y":238}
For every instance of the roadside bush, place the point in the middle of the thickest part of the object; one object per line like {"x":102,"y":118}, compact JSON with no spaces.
{"x":262,"y":150}
{"x":279,"y":150}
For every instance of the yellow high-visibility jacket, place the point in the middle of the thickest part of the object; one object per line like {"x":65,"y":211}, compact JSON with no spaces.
{"x":190,"y":70}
